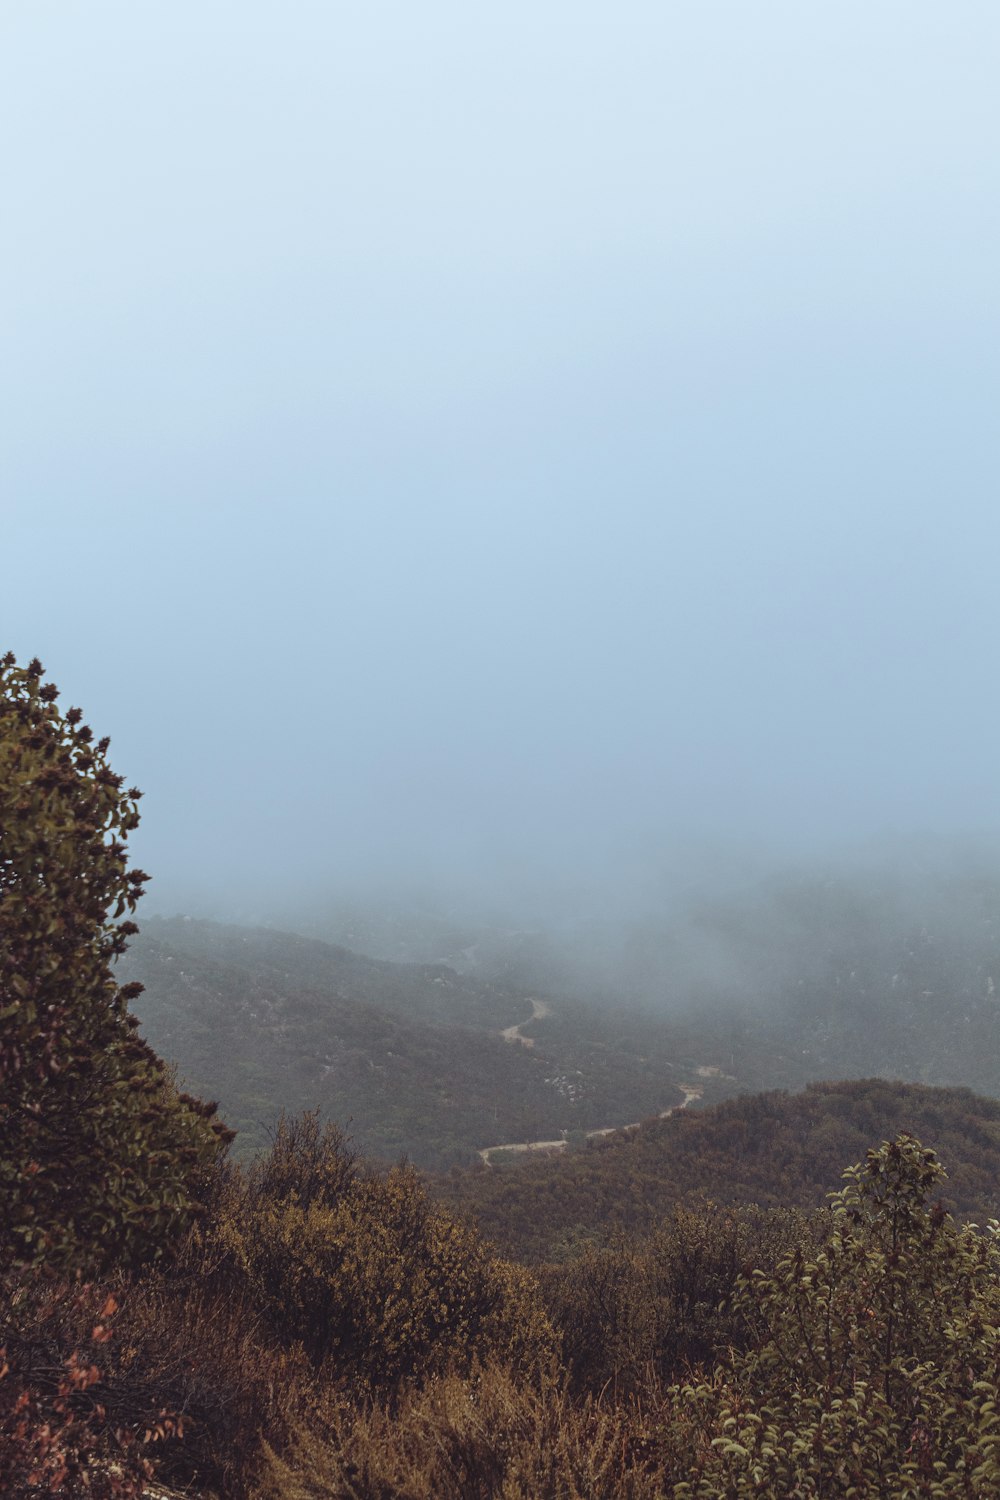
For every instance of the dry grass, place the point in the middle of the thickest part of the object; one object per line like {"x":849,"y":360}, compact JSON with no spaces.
{"x":490,"y":1434}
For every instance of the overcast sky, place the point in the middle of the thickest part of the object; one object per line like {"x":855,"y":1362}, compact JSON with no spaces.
{"x":506,"y":441}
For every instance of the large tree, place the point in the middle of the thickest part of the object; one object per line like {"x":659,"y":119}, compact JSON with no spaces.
{"x":101,"y":1159}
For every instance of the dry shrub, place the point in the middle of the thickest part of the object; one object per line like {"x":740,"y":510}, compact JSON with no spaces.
{"x":488,"y":1434}
{"x":378,"y":1284}
{"x":310,"y":1285}
{"x":206,"y":1355}
{"x":102,"y":1385}
{"x":655,"y":1307}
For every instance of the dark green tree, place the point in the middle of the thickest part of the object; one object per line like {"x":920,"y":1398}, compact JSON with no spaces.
{"x":101,"y":1159}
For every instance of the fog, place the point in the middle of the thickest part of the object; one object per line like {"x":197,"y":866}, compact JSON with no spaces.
{"x":539,"y":462}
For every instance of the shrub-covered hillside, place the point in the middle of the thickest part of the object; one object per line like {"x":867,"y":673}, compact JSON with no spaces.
{"x":411,"y":1054}
{"x":776,"y":1149}
{"x":802,"y":981}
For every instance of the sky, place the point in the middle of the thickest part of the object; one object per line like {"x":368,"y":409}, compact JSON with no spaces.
{"x":506,"y":447}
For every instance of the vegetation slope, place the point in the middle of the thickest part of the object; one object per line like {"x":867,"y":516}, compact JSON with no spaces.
{"x":775,"y":1149}
{"x":800,"y":982}
{"x":410,"y":1054}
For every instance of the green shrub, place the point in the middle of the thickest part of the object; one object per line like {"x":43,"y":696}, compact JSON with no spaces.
{"x":874,"y":1364}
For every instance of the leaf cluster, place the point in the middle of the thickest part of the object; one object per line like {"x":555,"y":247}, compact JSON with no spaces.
{"x":874,"y":1363}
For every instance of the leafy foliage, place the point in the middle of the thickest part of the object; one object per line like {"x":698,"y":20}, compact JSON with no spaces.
{"x":100,"y":1154}
{"x":876,"y":1363}
{"x":170,"y":1367}
{"x":365,"y":1271}
{"x":55,"y":1438}
{"x":870,"y":1367}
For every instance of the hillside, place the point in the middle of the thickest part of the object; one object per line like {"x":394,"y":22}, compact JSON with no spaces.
{"x":775,"y":1149}
{"x":792,"y":983}
{"x":411,"y":1056}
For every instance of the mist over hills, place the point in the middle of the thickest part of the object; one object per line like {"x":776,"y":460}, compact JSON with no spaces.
{"x":801,"y":975}
{"x":793,"y":980}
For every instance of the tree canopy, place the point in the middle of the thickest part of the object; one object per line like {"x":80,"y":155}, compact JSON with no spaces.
{"x":102,"y":1157}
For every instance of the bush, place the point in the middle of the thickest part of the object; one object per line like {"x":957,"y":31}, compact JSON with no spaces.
{"x":874,"y":1368}
{"x":199,"y":1352}
{"x":180,"y":1374}
{"x":365,"y":1271}
{"x":55,"y":1436}
{"x":653,"y":1307}
{"x":490,"y":1434}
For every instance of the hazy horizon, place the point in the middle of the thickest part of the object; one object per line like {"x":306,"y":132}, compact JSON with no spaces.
{"x":539,"y":457}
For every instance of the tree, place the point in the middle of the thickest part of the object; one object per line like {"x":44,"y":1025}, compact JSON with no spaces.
{"x":101,"y":1159}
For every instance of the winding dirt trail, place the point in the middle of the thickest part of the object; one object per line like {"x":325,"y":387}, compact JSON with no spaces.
{"x":691,"y":1092}
{"x":539,"y":1008}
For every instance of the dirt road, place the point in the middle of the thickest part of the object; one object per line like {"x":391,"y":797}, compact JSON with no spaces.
{"x":691,"y":1092}
{"x":539,"y":1008}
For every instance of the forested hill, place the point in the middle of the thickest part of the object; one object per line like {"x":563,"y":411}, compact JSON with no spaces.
{"x":775,"y":1149}
{"x":409,"y":1054}
{"x":274,"y":961}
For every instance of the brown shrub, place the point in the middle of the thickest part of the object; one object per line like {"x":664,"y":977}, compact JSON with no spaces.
{"x":205,"y":1355}
{"x":655,"y":1307}
{"x":172,"y":1372}
{"x":378,"y":1284}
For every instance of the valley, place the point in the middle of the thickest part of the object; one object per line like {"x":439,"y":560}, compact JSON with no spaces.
{"x":470,"y":1045}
